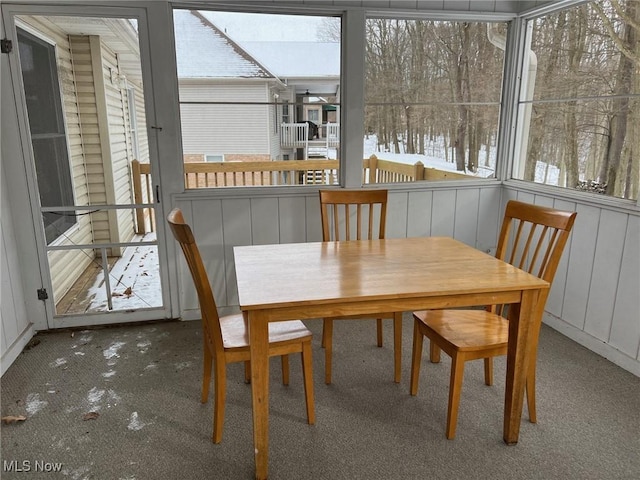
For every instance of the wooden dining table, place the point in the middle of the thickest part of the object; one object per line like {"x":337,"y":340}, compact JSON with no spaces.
{"x":324,"y":279}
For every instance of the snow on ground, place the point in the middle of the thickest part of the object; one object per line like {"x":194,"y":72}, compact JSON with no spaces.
{"x":434,"y":160}
{"x":134,"y":280}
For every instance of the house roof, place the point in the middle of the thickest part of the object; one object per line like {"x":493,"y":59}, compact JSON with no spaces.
{"x":204,"y":51}
{"x":297,"y":59}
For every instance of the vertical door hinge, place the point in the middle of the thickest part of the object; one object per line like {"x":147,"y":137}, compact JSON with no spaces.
{"x":42,"y":294}
{"x":6,"y":45}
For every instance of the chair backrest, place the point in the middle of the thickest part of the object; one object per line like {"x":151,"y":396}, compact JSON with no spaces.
{"x":337,"y":206}
{"x":210,"y":319}
{"x":533,"y":238}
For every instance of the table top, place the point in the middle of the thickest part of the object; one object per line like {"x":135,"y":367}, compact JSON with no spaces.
{"x":316,"y":273}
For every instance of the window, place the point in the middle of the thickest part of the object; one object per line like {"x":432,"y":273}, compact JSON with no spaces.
{"x":579,"y":108}
{"x":432,"y":99}
{"x":245,"y":84}
{"x":48,"y":136}
{"x":213,"y":158}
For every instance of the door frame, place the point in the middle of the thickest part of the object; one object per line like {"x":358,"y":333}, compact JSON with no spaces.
{"x":25,"y":200}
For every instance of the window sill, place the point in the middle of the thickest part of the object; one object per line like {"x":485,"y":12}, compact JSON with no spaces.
{"x":585,"y":198}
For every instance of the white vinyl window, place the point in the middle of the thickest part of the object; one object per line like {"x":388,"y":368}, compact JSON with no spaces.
{"x":213,"y":158}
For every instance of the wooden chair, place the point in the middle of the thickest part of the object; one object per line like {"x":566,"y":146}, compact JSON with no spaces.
{"x":336,"y":210}
{"x":535,"y":237}
{"x":226,"y":339}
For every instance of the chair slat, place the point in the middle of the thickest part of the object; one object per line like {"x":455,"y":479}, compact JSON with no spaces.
{"x":356,"y":202}
{"x":474,"y":334}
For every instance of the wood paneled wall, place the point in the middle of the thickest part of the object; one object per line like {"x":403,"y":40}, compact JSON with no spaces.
{"x":595,"y":297}
{"x":594,"y":300}
{"x":15,"y":328}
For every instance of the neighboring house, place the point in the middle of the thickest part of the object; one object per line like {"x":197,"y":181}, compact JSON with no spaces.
{"x":234,"y":99}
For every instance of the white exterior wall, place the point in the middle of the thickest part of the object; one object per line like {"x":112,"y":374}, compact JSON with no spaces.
{"x":66,"y":266}
{"x":118,"y":164}
{"x":224,"y":129}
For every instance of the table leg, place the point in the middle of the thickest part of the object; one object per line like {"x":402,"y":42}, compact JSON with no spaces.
{"x":397,"y":346}
{"x":259,"y":346}
{"x":521,"y":317}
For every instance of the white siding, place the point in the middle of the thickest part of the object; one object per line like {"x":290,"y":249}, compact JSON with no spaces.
{"x":65,"y":266}
{"x":226,"y":129}
{"x":119,"y":191}
{"x":81,"y":48}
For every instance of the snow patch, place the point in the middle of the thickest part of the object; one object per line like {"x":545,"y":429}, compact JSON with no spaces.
{"x":112,"y":351}
{"x":135,"y":423}
{"x":58,"y":362}
{"x":34,"y":404}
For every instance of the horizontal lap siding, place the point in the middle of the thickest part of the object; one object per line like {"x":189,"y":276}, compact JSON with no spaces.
{"x":117,"y":117}
{"x":141,"y":121}
{"x":90,"y":135}
{"x":225,"y":129}
{"x":66,"y":266}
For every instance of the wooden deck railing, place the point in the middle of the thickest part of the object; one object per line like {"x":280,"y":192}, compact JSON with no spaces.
{"x":278,"y":172}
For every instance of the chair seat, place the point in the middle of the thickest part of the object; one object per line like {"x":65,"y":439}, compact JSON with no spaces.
{"x":236,"y":335}
{"x":465,"y":330}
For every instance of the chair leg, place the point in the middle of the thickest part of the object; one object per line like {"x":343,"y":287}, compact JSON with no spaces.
{"x":206,"y":373}
{"x":455,"y":387}
{"x":397,"y":346}
{"x":328,"y":349}
{"x":324,"y":333}
{"x":488,"y":371}
{"x":307,"y":372}
{"x":247,"y":371}
{"x":220,"y":387}
{"x":434,"y":352}
{"x":285,"y":369}
{"x":379,"y":331}
{"x":531,"y":374}
{"x":416,"y":358}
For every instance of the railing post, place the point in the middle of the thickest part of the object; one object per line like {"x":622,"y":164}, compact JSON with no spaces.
{"x":137,"y":196}
{"x":373,"y":168}
{"x":418,"y":171}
